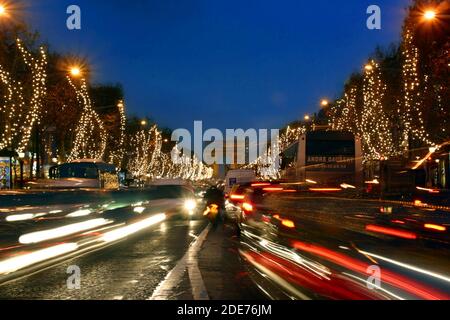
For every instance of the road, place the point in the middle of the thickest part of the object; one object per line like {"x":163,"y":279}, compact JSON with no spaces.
{"x":169,"y":260}
{"x":339,"y":242}
{"x":135,"y":245}
{"x":134,"y":269}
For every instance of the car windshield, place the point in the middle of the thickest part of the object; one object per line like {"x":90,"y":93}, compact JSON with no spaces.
{"x":171,"y":191}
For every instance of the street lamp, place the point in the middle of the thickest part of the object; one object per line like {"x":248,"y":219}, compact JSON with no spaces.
{"x":307,"y":117}
{"x":429,"y":15}
{"x":324,"y":103}
{"x":143,"y":123}
{"x":2,"y":10}
{"x":75,"y":72}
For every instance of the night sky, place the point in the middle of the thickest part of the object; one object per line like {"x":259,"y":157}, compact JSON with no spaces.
{"x":230,"y":63}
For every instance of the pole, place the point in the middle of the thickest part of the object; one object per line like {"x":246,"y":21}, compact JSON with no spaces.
{"x":21,"y":173}
{"x":38,"y":155}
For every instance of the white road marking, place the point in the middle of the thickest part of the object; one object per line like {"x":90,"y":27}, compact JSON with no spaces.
{"x":165,"y":290}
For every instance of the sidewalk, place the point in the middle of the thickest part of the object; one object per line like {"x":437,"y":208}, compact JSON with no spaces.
{"x":222,"y":270}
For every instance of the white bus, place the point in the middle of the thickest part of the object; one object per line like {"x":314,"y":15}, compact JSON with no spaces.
{"x":325,"y":158}
{"x":84,"y":173}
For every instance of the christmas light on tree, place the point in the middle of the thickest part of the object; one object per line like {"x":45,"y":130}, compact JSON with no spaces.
{"x":91,"y":136}
{"x":414,"y":125}
{"x":375,"y":124}
{"x":21,"y":115}
{"x":117,"y":155}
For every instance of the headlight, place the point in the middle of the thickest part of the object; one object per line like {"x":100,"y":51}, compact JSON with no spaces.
{"x":190,"y":205}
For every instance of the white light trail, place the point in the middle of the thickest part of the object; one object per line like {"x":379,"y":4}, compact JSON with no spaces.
{"x":28,"y":259}
{"x":79,"y":213}
{"x":40,"y":236}
{"x":132,"y":228}
{"x":20,"y":217}
{"x":407,"y":266}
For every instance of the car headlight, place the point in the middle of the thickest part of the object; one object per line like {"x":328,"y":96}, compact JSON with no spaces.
{"x":190,"y":205}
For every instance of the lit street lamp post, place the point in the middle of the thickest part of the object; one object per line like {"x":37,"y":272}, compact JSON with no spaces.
{"x":75,"y":72}
{"x":307,"y":119}
{"x":429,"y":15}
{"x":3,"y":11}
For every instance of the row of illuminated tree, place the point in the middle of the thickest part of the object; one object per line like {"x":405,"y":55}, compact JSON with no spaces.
{"x":49,"y":111}
{"x":401,"y":101}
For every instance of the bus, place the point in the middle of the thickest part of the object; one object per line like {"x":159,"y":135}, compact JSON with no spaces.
{"x":81,"y":174}
{"x":325,"y":159}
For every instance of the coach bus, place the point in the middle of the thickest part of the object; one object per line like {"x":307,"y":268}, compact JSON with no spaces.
{"x":326,"y":159}
{"x":84,"y":173}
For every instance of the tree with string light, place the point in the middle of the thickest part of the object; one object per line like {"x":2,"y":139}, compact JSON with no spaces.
{"x":91,"y":136}
{"x":22,"y":106}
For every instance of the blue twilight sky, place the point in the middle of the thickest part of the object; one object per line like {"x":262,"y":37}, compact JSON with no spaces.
{"x":230,"y":63}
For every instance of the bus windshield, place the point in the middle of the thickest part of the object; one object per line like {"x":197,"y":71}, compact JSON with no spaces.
{"x":81,"y":170}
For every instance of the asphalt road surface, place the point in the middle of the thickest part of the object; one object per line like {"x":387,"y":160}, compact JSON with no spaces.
{"x":133,"y":245}
{"x":163,"y":263}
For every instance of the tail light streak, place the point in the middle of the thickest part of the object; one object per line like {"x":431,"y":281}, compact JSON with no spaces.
{"x":287,"y":253}
{"x":428,"y":190}
{"x":435,"y":227}
{"x":392,"y":232}
{"x":325,"y":189}
{"x":262,"y":184}
{"x":274,"y":189}
{"x":389,"y":277}
{"x":247,"y":207}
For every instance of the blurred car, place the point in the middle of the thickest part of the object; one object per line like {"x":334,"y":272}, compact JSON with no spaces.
{"x":428,"y":225}
{"x":181,"y":194}
{"x":246,"y":206}
{"x":301,"y":247}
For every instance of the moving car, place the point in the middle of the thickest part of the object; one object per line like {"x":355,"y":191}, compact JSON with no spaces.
{"x":180,"y":193}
